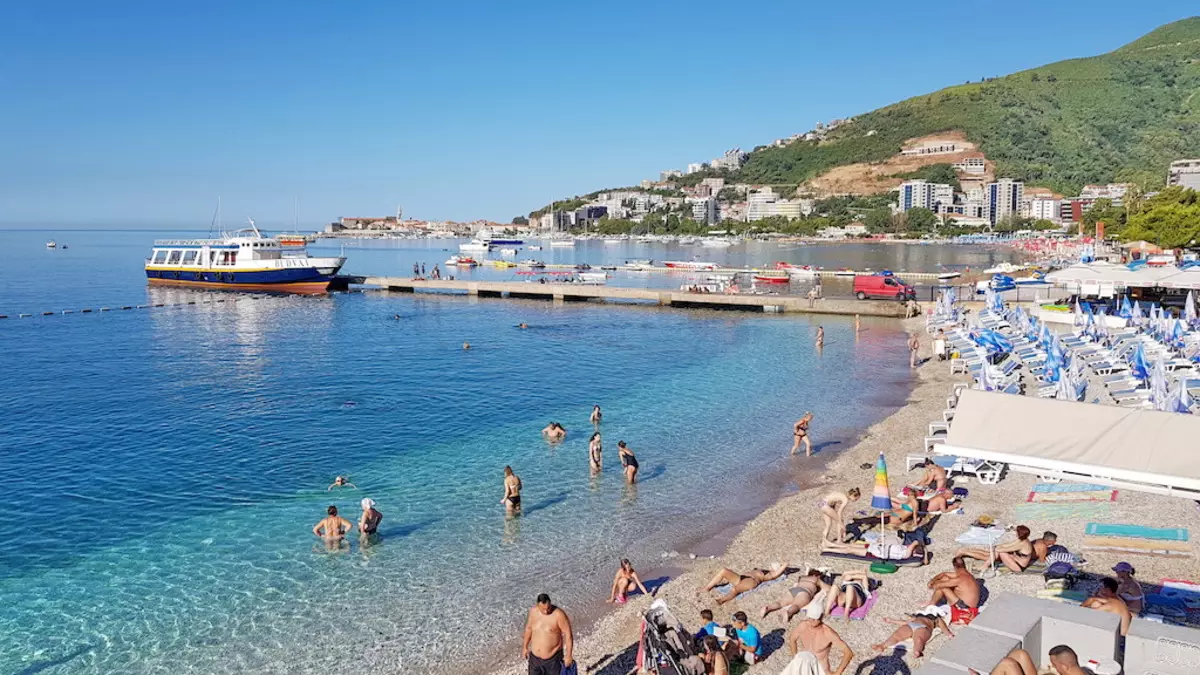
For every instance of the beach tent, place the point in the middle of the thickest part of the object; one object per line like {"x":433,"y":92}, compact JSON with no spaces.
{"x":1134,"y":449}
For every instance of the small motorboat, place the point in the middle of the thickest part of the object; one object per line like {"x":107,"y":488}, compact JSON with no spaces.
{"x":613,"y":242}
{"x":531,"y":263}
{"x":461,"y":261}
{"x":691,"y":265}
{"x":51,"y":244}
{"x":640,"y":264}
{"x":946,"y":276}
{"x":610,"y":268}
{"x":562,"y":243}
{"x":773,"y":277}
{"x":797,"y":270}
{"x":534,"y":247}
{"x":593,"y":278}
{"x":508,"y":251}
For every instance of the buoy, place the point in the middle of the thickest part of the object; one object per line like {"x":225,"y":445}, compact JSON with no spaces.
{"x":24,"y":316}
{"x":127,"y":307}
{"x":67,"y":311}
{"x":103,"y":309}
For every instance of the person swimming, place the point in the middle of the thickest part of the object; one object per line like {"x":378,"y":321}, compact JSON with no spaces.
{"x":341,"y":481}
{"x":522,"y":325}
{"x":466,"y":345}
{"x":554,"y":432}
{"x":628,"y":461}
{"x":512,"y":492}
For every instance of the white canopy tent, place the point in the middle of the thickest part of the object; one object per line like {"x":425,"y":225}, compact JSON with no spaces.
{"x":1134,"y":449}
{"x":1102,"y":275}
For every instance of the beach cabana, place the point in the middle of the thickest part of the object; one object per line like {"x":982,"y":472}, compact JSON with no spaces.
{"x":1133,"y":449}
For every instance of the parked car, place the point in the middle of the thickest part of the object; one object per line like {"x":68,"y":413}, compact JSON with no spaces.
{"x":882,"y":286}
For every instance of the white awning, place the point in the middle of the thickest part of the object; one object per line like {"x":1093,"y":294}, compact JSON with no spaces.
{"x":1137,"y":449}
{"x":1121,"y":276}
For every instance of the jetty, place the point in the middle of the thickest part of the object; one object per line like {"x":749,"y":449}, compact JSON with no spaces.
{"x":572,"y":292}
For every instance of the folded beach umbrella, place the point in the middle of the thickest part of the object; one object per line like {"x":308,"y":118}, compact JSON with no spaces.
{"x":881,"y":497}
{"x":1189,"y":310}
{"x":1136,"y":316}
{"x":1160,"y":394}
{"x":1138,"y":366}
{"x":1066,"y":387}
{"x":1181,"y":400}
{"x":1078,"y":319}
{"x":1177,"y":332}
{"x":984,"y":381}
{"x":1126,"y":310}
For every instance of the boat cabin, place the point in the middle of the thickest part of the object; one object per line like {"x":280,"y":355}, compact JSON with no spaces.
{"x":213,"y":253}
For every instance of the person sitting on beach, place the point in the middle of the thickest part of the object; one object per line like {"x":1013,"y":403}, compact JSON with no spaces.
{"x":1128,"y":588}
{"x":595,"y":416}
{"x":1065,"y":661}
{"x":710,"y":627}
{"x":808,"y":589}
{"x":1016,"y":555}
{"x":628,"y":461}
{"x":715,"y":661}
{"x":549,"y":642}
{"x":833,"y":508}
{"x":934,"y":478}
{"x":332,"y":528}
{"x":625,"y":581}
{"x":853,"y":589}
{"x":1042,"y":546}
{"x":1107,"y":600}
{"x":595,"y":452}
{"x":749,"y":639}
{"x":743,"y":583}
{"x":878,"y":550}
{"x":512,"y":492}
{"x":800,"y":435}
{"x":341,"y":481}
{"x":554,"y":432}
{"x":814,"y":637}
{"x":1018,"y":662}
{"x":905,"y":510}
{"x":959,"y":589}
{"x":918,"y":627}
{"x":368,"y":524}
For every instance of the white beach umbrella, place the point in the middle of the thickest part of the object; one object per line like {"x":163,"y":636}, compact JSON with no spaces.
{"x":1136,"y":317}
{"x":984,"y":383}
{"x":1189,"y":310}
{"x":1159,"y":386}
{"x":1079,"y":319}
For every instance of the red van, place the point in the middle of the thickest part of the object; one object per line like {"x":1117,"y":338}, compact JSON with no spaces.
{"x":884,"y":287}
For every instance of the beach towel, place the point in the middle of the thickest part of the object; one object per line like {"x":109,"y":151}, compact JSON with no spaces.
{"x":915,"y":561}
{"x":804,"y":663}
{"x":860,"y":613}
{"x":1137,"y":532}
{"x":1059,"y":595}
{"x":1068,"y":487}
{"x":1077,"y":496}
{"x":1043,"y":512}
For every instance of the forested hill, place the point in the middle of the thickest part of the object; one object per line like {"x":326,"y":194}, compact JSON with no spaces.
{"x":1121,"y":116}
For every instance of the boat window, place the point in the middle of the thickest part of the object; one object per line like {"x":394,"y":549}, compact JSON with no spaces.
{"x":189,"y":257}
{"x":173,"y":259}
{"x":212,"y":258}
{"x":160,"y":257}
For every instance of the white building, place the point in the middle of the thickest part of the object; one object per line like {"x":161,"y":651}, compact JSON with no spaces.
{"x":1044,"y":208}
{"x":1113,"y":191}
{"x":731,"y":160}
{"x":971,"y":165}
{"x":667,"y":175}
{"x":1185,"y":173}
{"x":761,"y":204}
{"x":714,"y":184}
{"x":704,"y":210}
{"x":1003,"y":199}
{"x":695,"y":168}
{"x":920,"y":193}
{"x":789,"y":209}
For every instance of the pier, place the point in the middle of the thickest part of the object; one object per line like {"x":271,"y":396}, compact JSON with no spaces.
{"x":559,"y":292}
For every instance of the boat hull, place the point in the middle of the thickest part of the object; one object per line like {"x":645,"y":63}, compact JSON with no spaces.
{"x":289,"y":280}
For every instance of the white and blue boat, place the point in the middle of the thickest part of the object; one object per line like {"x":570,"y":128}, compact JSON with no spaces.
{"x":244,"y":260}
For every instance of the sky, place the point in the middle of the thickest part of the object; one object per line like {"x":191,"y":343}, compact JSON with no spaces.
{"x":144,"y":113}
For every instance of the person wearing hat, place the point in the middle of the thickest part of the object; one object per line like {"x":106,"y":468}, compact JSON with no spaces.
{"x":1128,"y":588}
{"x":371,"y":517}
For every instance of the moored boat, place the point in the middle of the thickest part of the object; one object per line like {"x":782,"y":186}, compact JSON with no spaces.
{"x":797,"y":270}
{"x":639,"y":264}
{"x":51,"y":244}
{"x":461,"y":261}
{"x":243,"y":260}
{"x":772,"y":277}
{"x":690,"y":265}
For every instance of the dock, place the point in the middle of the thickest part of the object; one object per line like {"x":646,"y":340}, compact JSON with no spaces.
{"x":561,"y":292}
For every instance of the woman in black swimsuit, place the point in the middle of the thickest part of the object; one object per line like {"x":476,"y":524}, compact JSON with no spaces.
{"x":371,"y":517}
{"x":628,"y":461}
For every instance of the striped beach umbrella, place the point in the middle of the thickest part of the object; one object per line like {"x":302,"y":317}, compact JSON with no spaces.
{"x":881,"y":498}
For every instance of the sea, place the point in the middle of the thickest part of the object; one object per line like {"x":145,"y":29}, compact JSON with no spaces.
{"x":163,"y":466}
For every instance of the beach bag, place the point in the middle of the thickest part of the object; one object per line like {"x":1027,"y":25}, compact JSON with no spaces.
{"x":1061,"y":570}
{"x":961,"y":493}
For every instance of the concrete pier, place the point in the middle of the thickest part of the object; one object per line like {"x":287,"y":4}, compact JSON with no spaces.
{"x":663,"y":297}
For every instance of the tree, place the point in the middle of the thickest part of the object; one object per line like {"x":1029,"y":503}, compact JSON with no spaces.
{"x":1170,"y":219}
{"x":921,"y":219}
{"x":1103,"y":211}
{"x":520,"y":220}
{"x":879,"y":221}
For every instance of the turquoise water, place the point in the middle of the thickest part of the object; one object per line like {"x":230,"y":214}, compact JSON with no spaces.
{"x":164,"y":466}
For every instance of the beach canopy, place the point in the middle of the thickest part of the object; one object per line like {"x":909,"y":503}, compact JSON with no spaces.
{"x":1137,"y":449}
{"x":881,"y":498}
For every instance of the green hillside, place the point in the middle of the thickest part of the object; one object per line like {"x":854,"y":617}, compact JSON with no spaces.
{"x":1121,"y":116}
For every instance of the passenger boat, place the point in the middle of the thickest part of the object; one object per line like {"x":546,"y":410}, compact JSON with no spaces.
{"x":690,"y":265}
{"x":244,"y":260}
{"x":461,"y":261}
{"x":772,"y":277}
{"x":485,"y":240}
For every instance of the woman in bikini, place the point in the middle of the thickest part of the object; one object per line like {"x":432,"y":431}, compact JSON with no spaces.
{"x":628,"y":461}
{"x":512,"y":492}
{"x":852,"y":591}
{"x":833,"y":507}
{"x":743,"y":582}
{"x":905,"y":510}
{"x":1016,"y":555}
{"x":625,"y":581}
{"x":808,"y":588}
{"x":1129,"y":589}
{"x":595,"y":452}
{"x":800,"y":435}
{"x":918,"y":627}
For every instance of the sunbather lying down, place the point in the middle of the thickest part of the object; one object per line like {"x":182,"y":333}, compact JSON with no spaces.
{"x":1018,"y":662}
{"x":878,"y":550}
{"x":743,"y":582}
{"x":918,"y":628}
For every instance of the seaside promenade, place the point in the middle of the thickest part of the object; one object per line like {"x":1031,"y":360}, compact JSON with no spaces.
{"x":672,"y":298}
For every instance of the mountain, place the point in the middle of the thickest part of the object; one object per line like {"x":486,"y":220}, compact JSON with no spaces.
{"x":1121,"y":116}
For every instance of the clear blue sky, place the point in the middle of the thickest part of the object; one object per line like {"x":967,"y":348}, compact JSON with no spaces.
{"x":144,"y":112}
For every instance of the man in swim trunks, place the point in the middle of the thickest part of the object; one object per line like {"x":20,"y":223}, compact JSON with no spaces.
{"x":371,"y":517}
{"x":1107,"y":600}
{"x":332,"y":528}
{"x":743,"y":582}
{"x":958,"y":588}
{"x":800,"y":435}
{"x":512,"y":492}
{"x":808,"y":589}
{"x":814,"y":636}
{"x":549,"y":642}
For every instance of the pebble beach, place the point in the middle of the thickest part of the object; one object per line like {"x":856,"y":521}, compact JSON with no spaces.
{"x":789,"y":532}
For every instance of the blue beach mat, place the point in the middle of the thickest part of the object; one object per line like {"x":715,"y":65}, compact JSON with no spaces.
{"x":1138,"y":532}
{"x":1068,"y":487}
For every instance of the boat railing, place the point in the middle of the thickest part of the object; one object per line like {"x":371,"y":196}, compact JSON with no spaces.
{"x":189,"y":242}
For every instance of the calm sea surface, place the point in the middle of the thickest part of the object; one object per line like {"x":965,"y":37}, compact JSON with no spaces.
{"x":163,"y":467}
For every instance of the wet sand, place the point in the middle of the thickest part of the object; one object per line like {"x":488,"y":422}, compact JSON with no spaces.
{"x":790,"y":530}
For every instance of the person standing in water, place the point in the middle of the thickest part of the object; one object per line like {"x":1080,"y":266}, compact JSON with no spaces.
{"x":629,"y":461}
{"x":857,"y":324}
{"x":820,"y":337}
{"x":512,"y":492}
{"x":332,"y":528}
{"x":595,"y":452}
{"x":800,"y":435}
{"x":596,"y":415}
{"x":368,"y":524}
